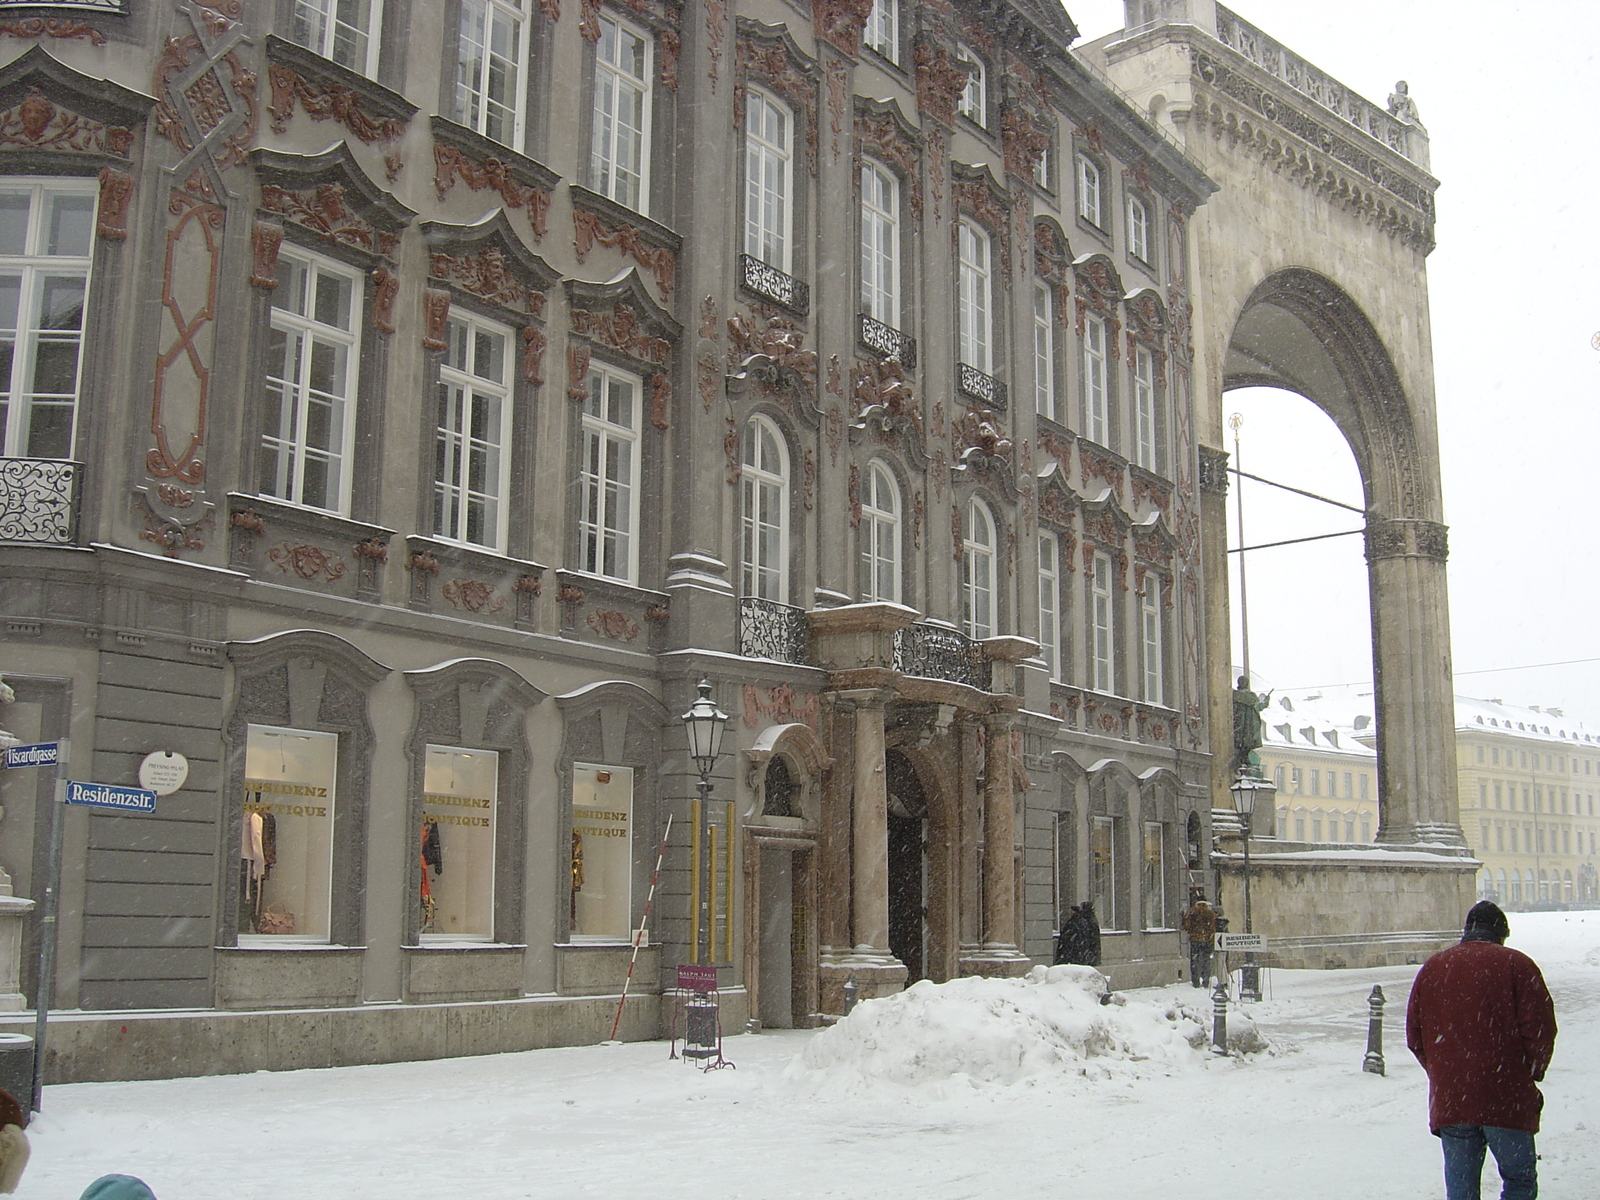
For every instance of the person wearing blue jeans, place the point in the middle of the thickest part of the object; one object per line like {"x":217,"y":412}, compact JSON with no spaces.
{"x":1464,"y":1146}
{"x":1481,"y":1023}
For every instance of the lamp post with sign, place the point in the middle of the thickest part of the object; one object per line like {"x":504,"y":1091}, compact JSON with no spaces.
{"x":1247,"y":789}
{"x":704,"y":725}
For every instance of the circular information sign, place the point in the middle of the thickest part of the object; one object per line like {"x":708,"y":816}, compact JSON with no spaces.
{"x":163,"y":772}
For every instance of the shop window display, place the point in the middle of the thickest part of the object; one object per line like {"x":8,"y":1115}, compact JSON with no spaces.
{"x":286,"y":843}
{"x":457,"y":843}
{"x":602,"y":852}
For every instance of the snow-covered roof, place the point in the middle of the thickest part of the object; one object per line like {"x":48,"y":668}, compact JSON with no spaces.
{"x":1293,"y":724}
{"x":1546,"y":724}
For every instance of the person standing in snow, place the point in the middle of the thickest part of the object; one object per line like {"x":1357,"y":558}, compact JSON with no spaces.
{"x":1481,"y":1022}
{"x":1200,"y":923}
{"x":1088,"y":935}
{"x":1067,"y":939}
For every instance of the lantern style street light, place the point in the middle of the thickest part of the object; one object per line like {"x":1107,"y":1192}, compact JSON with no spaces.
{"x":1247,"y":789}
{"x":704,"y":724}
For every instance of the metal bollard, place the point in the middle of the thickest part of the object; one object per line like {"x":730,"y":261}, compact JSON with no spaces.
{"x":1219,"y":1017}
{"x":850,"y":990}
{"x":1374,"y":1060}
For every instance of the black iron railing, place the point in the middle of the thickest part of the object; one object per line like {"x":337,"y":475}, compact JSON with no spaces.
{"x":766,"y":280}
{"x":887,"y":342}
{"x":933,"y":652}
{"x":38,"y":501}
{"x":981,"y":387}
{"x":768,"y":629}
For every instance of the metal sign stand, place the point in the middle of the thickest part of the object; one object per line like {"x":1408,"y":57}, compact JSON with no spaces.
{"x":702,"y":1018}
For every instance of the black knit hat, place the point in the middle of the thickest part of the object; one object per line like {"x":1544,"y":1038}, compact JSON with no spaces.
{"x":1486,"y":917}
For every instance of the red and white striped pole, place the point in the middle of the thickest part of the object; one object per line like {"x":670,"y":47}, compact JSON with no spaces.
{"x":644,"y":923}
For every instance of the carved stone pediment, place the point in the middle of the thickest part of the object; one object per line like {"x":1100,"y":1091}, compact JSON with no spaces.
{"x":489,"y":261}
{"x":57,"y":115}
{"x":329,"y":195}
{"x":461,"y":155}
{"x":771,"y":352}
{"x":326,"y":91}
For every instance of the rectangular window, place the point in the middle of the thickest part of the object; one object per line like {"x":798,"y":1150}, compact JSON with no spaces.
{"x":1138,"y":229}
{"x":1366,"y":828}
{"x":490,"y":57}
{"x":975,"y":298}
{"x":1104,"y":626}
{"x":286,"y":844}
{"x":345,"y":31}
{"x":1154,"y":876}
{"x":1295,"y":776}
{"x":610,"y":482}
{"x":471,"y":466}
{"x":1348,"y":791}
{"x":1147,"y":446}
{"x":1049,"y":604}
{"x":1044,"y":352}
{"x":768,"y":184}
{"x":602,"y":853}
{"x":880,"y":244}
{"x":46,"y":238}
{"x":1299,"y":827}
{"x":1089,"y":203}
{"x":1103,"y":869}
{"x":974,"y":101}
{"x":1155,"y":687}
{"x":1316,"y":782}
{"x":1499,"y":836}
{"x":1316,"y":828}
{"x":312,"y":350}
{"x":1044,"y":167}
{"x":1096,"y":407}
{"x":459,"y":791}
{"x":883,"y":29}
{"x":619,"y":155}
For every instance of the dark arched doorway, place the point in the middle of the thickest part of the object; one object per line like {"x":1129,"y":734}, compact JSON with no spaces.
{"x":908,"y":817}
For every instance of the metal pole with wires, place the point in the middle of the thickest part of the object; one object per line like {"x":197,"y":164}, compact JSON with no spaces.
{"x":1236,"y":420}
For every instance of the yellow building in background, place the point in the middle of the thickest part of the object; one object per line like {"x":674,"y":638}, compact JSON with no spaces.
{"x":1327,"y":779}
{"x":1529,"y":777}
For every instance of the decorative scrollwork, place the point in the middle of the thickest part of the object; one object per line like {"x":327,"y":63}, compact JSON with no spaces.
{"x":37,"y":501}
{"x":931,"y":652}
{"x":774,"y":631}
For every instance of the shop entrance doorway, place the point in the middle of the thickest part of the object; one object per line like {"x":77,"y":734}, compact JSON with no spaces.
{"x":908,"y":901}
{"x":781,"y":992}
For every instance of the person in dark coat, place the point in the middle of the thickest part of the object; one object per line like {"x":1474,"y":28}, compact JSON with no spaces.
{"x":1067,"y":939}
{"x":1200,"y":923}
{"x":1481,"y":1022}
{"x":1089,"y":935}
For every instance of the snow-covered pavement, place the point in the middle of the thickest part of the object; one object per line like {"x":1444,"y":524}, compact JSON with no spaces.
{"x":1143,"y":1115}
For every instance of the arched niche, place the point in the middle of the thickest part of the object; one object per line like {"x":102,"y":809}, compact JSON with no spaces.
{"x":803,"y":759}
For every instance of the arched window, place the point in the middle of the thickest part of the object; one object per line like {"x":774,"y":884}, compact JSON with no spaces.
{"x":977,"y":572}
{"x":1502,"y":889}
{"x":880,"y":536}
{"x":764,"y":533}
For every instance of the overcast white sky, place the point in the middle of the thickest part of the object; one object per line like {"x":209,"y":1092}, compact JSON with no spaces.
{"x":1506,"y":92}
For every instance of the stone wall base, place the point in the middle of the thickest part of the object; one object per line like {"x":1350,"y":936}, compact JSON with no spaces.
{"x":99,"y":1047}
{"x":1336,"y":953}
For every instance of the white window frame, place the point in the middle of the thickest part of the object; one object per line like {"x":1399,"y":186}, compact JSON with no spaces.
{"x":882,"y":32}
{"x":1146,"y":426}
{"x":1050,"y":602}
{"x":1044,"y":167}
{"x":482,"y":56}
{"x":614,"y":172}
{"x":1154,"y":872}
{"x":973,"y":102}
{"x":1154,"y":643}
{"x":1096,"y":400}
{"x":33,"y":269}
{"x":317,"y":25}
{"x":1091,"y":200}
{"x":1103,"y":878}
{"x":472,"y":436}
{"x":610,"y":475}
{"x":1103,"y":626}
{"x":880,"y":535}
{"x":764,"y":512}
{"x":769,"y":180}
{"x":978,"y":576}
{"x":1044,"y":350}
{"x":974,"y":297}
{"x":880,"y":243}
{"x":1138,"y":229}
{"x":287,"y":447}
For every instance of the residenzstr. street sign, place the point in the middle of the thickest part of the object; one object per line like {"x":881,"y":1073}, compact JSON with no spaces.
{"x":107,"y":795}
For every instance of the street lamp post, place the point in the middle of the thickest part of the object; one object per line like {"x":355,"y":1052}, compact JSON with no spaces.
{"x":1247,"y":789}
{"x":705,"y":724}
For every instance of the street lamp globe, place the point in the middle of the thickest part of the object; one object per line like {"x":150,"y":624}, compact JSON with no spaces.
{"x":705,"y":724}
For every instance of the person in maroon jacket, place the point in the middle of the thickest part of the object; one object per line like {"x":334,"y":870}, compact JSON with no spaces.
{"x":1481,"y":1023}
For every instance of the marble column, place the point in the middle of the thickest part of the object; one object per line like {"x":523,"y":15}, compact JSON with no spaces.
{"x":870,"y":826}
{"x":999,"y":876}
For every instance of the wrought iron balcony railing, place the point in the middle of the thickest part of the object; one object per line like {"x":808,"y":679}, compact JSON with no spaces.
{"x":932,"y":652}
{"x":771,"y":630}
{"x":981,"y":387}
{"x":768,"y":281}
{"x":39,"y":501}
{"x":887,"y":342}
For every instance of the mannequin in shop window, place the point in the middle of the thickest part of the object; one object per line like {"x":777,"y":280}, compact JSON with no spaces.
{"x":432,"y":856}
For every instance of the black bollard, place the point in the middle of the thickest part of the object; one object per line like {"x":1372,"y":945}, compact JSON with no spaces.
{"x":1374,"y":1060}
{"x":1219,"y":1016}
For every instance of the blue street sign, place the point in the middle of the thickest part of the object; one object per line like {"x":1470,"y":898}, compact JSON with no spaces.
{"x":106,"y":795}
{"x":40,"y":754}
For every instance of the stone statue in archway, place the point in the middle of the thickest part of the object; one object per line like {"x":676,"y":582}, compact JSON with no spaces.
{"x":1247,"y":726}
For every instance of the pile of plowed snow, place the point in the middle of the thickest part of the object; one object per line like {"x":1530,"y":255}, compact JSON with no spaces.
{"x":1049,"y":1024}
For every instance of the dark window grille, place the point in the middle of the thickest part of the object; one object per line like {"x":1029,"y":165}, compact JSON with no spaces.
{"x":38,"y":501}
{"x":771,"y":630}
{"x":931,"y":652}
{"x":769,"y":282}
{"x":985,"y":388}
{"x":888,"y":342}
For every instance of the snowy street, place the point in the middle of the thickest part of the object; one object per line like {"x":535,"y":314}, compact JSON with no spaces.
{"x":1145,"y":1114}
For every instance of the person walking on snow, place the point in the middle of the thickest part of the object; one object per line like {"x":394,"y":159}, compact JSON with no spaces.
{"x":1200,"y":923}
{"x":1481,"y":1022}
